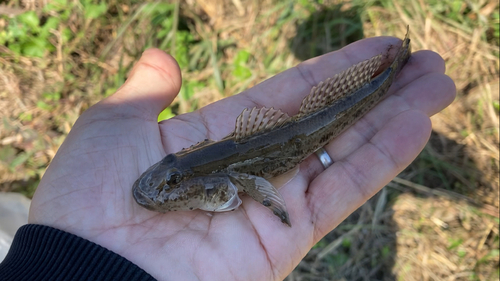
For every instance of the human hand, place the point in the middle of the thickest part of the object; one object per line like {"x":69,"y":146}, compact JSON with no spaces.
{"x":87,"y":188}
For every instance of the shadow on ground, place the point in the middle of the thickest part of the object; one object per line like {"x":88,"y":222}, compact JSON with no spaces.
{"x":327,"y":30}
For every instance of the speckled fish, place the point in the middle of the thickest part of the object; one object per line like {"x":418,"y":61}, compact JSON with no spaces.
{"x":266,"y":143}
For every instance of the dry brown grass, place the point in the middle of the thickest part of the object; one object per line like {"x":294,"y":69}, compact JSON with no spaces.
{"x":441,"y":239}
{"x":437,"y":221}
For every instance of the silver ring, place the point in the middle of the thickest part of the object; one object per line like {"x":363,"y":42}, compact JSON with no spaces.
{"x":324,"y":158}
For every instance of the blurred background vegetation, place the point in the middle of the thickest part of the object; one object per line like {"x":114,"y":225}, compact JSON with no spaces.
{"x":438,"y":220}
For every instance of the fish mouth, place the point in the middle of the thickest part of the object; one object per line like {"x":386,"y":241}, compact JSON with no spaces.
{"x":141,"y":198}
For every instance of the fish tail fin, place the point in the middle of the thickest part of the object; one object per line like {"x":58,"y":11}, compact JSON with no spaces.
{"x":403,"y":53}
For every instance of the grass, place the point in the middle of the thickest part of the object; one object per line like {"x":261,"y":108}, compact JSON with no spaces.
{"x":438,"y":220}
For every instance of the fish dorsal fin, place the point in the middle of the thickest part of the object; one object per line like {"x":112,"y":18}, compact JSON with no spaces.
{"x":257,"y":120}
{"x":195,"y":146}
{"x":340,"y":85}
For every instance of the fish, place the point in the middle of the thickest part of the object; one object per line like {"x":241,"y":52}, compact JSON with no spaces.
{"x":266,"y":143}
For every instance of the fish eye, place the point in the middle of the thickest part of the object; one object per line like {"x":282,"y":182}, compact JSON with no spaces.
{"x":174,"y":178}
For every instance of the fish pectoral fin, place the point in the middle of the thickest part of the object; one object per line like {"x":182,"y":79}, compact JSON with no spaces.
{"x":263,"y":192}
{"x":219,"y":194}
{"x":230,"y":205}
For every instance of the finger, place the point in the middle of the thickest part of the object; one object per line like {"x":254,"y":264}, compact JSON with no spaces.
{"x":420,"y":63}
{"x":152,"y":85}
{"x":429,"y":93}
{"x":347,"y":184}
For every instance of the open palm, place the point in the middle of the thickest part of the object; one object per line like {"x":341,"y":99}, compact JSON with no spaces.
{"x":87,"y":188}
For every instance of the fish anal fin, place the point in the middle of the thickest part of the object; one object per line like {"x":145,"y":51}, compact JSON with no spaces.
{"x":340,"y":85}
{"x":285,"y":178}
{"x":257,"y":120}
{"x":233,"y":203}
{"x":263,"y":192}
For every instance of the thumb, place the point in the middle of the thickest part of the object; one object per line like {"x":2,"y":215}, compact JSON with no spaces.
{"x":152,"y":85}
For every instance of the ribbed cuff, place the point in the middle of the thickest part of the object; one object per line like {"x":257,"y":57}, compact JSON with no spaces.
{"x":40,"y":252}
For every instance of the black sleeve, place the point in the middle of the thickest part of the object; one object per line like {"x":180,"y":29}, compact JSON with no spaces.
{"x":40,"y":252}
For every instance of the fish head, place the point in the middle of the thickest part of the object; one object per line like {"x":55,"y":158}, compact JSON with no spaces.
{"x":164,"y":187}
{"x":162,"y":177}
{"x":162,"y":173}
